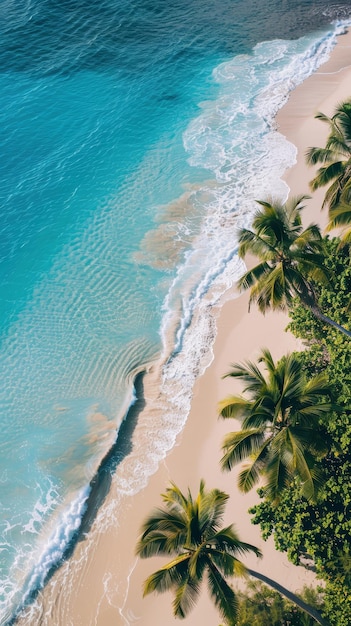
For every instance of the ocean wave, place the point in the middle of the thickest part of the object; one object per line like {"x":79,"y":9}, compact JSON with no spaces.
{"x":38,"y":557}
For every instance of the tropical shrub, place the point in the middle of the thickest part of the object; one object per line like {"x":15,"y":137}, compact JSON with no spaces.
{"x":262,"y":606}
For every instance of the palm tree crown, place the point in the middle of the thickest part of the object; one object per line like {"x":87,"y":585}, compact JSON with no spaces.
{"x":335,"y":157}
{"x":290,"y":259}
{"x":281,"y":432}
{"x":190,"y":531}
{"x":287,"y":254}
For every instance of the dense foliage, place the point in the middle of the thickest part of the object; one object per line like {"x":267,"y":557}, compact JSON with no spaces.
{"x":262,"y":606}
{"x":319,"y":534}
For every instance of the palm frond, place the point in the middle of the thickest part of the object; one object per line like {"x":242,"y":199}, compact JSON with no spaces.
{"x":213,"y":550}
{"x":278,"y":477}
{"x":332,"y":195}
{"x":311,"y":489}
{"x":288,"y":254}
{"x":345,"y":196}
{"x":340,"y":215}
{"x":273,"y":291}
{"x":162,"y":532}
{"x":227,"y":564}
{"x":302,"y":465}
{"x":249,"y":373}
{"x":211,"y":510}
{"x":327,"y":174}
{"x":318,"y":385}
{"x":309,"y":239}
{"x":197,"y":564}
{"x":335,"y":157}
{"x":251,"y":474}
{"x":343,"y":121}
{"x":270,"y":224}
{"x":156,"y":543}
{"x":315,"y":270}
{"x":294,"y":206}
{"x":260,"y":417}
{"x":267,"y":358}
{"x":186,"y":595}
{"x":234,"y":407}
{"x":254,"y":275}
{"x":227,"y":540}
{"x":316,"y":155}
{"x":337,"y":145}
{"x":313,"y":415}
{"x":222,"y":595}
{"x":311,"y":440}
{"x":174,"y":496}
{"x":345,"y":237}
{"x":298,"y":285}
{"x":250,"y":241}
{"x":324,"y":118}
{"x":238,"y":446}
{"x":284,"y":401}
{"x":172,"y":574}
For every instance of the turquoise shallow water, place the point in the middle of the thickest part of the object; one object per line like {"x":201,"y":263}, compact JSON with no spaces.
{"x":133,"y":145}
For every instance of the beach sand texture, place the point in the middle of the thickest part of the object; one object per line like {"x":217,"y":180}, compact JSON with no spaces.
{"x":101,"y":584}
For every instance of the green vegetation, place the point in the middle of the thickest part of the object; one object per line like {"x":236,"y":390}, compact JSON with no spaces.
{"x":263,"y":607}
{"x":283,"y":431}
{"x":320,"y":531}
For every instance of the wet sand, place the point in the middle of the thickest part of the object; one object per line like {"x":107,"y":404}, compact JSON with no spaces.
{"x":101,"y":584}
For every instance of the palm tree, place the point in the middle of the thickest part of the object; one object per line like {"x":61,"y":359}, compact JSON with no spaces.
{"x":290,"y":258}
{"x":281,"y":432}
{"x":335,"y":157}
{"x":189,"y":530}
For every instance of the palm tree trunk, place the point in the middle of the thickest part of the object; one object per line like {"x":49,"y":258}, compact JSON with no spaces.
{"x":290,"y":596}
{"x":309,"y":300}
{"x":317,"y":313}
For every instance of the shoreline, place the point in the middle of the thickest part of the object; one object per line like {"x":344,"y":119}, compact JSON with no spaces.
{"x":99,"y":596}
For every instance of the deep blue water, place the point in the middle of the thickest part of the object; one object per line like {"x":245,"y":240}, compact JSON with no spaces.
{"x":131,"y":134}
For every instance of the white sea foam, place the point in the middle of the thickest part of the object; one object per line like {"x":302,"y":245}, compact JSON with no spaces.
{"x":40,"y":558}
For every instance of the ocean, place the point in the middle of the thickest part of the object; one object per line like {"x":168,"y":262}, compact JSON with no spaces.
{"x":135,"y":138}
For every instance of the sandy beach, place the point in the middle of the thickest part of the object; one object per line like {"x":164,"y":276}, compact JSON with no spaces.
{"x":101,"y":584}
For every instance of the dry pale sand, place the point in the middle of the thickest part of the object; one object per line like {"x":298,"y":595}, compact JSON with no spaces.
{"x":105,"y":589}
